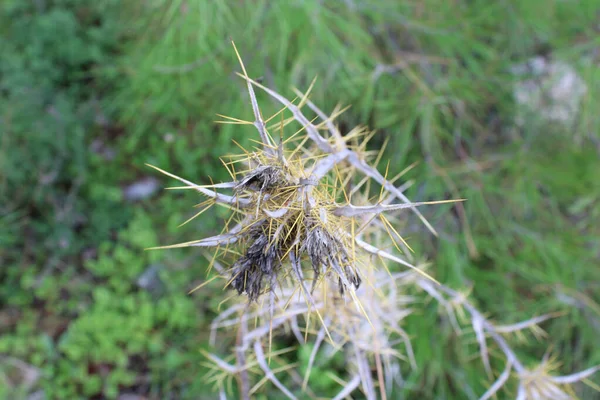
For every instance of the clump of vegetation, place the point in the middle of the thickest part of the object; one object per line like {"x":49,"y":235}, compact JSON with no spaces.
{"x":295,"y":207}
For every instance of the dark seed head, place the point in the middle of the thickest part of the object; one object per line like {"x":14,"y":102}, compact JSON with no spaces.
{"x":265,"y":178}
{"x":261,"y":259}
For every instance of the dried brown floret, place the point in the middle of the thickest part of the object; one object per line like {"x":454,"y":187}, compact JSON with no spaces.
{"x":259,"y":261}
{"x":264,"y":178}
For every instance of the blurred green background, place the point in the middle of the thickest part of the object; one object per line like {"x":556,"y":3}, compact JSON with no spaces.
{"x":496,"y":100}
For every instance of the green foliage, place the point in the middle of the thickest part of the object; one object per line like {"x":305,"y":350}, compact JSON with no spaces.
{"x":50,"y":110}
{"x":118,"y":331}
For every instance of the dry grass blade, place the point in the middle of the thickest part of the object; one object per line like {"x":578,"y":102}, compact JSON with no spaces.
{"x":221,"y":198}
{"x":258,"y":121}
{"x":353,"y":211}
{"x":498,"y":383}
{"x":260,"y":356}
{"x":576,"y":377}
{"x":348,"y":388}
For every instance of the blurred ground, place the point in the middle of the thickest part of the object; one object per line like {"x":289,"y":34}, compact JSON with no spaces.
{"x":497,"y":101}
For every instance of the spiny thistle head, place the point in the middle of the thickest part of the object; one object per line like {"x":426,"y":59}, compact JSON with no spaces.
{"x":293,"y":204}
{"x":307,"y":204}
{"x":288,"y":217}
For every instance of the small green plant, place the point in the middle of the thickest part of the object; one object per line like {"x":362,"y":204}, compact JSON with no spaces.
{"x":113,"y":328}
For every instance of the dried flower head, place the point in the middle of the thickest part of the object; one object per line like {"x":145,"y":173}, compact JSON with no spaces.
{"x":291,"y":207}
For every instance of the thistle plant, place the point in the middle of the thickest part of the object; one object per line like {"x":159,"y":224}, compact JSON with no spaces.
{"x":312,"y":248}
